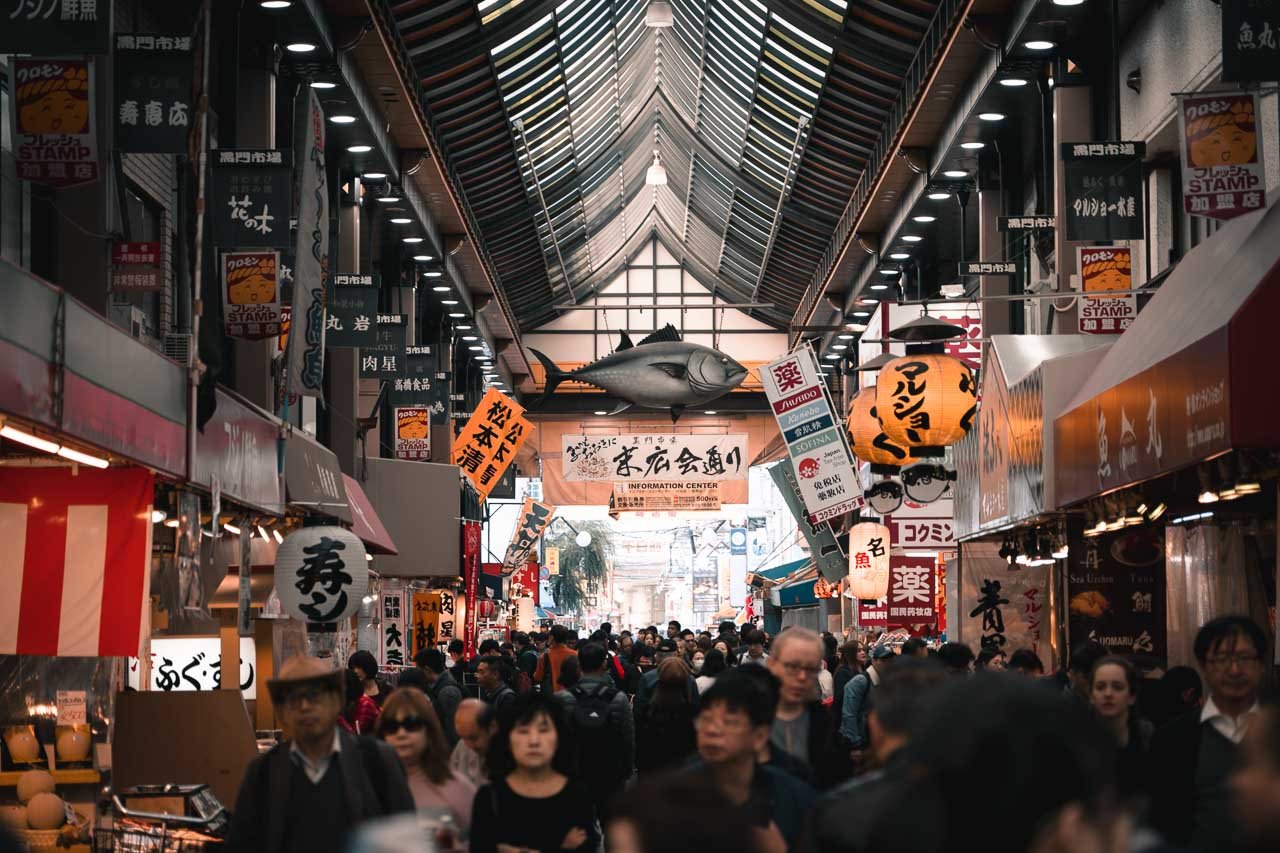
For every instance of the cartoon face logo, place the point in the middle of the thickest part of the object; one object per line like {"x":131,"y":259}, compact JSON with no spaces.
{"x":413,"y":427}
{"x":251,"y":286}
{"x":55,"y":104}
{"x":1224,"y":139}
{"x":808,"y":468}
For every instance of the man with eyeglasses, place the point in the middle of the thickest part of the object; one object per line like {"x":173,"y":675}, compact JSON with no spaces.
{"x":1193,"y":756}
{"x":309,"y":792}
{"x":802,"y":725}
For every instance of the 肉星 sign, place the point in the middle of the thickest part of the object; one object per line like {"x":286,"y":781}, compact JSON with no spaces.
{"x":814,"y":435}
{"x":653,"y":457}
{"x":432,"y":621}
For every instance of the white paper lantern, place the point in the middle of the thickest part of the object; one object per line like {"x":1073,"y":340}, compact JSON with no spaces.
{"x":524,"y":614}
{"x":869,"y":560}
{"x":321,"y":574}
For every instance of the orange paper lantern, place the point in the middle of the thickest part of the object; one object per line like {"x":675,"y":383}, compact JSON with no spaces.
{"x":867,"y":438}
{"x":925,"y":402}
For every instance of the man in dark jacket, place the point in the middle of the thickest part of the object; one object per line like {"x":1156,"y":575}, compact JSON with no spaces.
{"x":606,"y":746}
{"x":494,"y":689}
{"x":802,"y":725}
{"x":308,"y":793}
{"x":1193,"y":756}
{"x":442,"y":690}
{"x":649,"y":678}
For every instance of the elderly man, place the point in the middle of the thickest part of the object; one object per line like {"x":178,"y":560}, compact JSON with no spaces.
{"x":309,"y":792}
{"x":802,"y":725}
{"x":475,"y":725}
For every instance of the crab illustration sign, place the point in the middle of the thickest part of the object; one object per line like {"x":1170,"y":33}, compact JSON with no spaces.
{"x":814,"y":435}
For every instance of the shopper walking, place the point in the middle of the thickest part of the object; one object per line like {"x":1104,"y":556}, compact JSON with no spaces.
{"x":1114,"y":692}
{"x":547,"y":673}
{"x":307,"y":793}
{"x":664,"y":724}
{"x":409,"y":725}
{"x":444,"y":692}
{"x":360,"y":711}
{"x":802,"y":725}
{"x":604,"y":736}
{"x":712,"y":665}
{"x":844,"y":673}
{"x":363,"y":664}
{"x":475,"y":724}
{"x":531,"y":803}
{"x":857,"y":701}
{"x":491,"y":676}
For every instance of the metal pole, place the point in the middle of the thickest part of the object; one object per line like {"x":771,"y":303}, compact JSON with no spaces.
{"x":518,"y":124}
{"x":195,"y":367}
{"x":777,"y":212}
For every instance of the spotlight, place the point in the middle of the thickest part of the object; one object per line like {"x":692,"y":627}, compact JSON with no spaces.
{"x":158,"y":515}
{"x":924,"y":218}
{"x":1208,"y":496}
{"x":278,"y":537}
{"x":231,"y":528}
{"x":342,"y":118}
{"x":262,"y":532}
{"x":955,"y":173}
{"x":1013,"y":82}
{"x":300,"y":47}
{"x":1156,"y":511}
{"x":171,"y":522}
{"x":939,"y":195}
{"x":373,"y":176}
{"x":1039,"y":44}
{"x":323,"y":84}
{"x":991,"y":116}
{"x":973,"y":146}
{"x":358,"y":149}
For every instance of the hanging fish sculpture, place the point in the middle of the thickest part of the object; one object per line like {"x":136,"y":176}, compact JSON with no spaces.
{"x":660,"y":372}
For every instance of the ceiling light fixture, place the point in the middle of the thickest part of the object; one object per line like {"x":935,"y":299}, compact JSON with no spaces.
{"x":991,"y":116}
{"x":911,"y":238}
{"x":424,"y":258}
{"x":844,"y":336}
{"x":15,"y":434}
{"x":973,"y":146}
{"x":879,"y":287}
{"x":1067,"y":2}
{"x":262,"y":532}
{"x":373,"y":176}
{"x":1013,"y":82}
{"x":832,"y":356}
{"x":342,"y":118}
{"x":300,"y":47}
{"x":412,"y":239}
{"x":276,"y":4}
{"x":599,"y":413}
{"x":441,"y":288}
{"x":231,"y":528}
{"x":659,"y":15}
{"x":457,"y":314}
{"x":433,"y":274}
{"x":323,"y":84}
{"x":470,"y":338}
{"x":924,"y":218}
{"x":279,"y":539}
{"x":158,"y":515}
{"x":359,"y":149}
{"x":390,"y":199}
{"x":82,"y":458}
{"x":657,"y":174}
{"x":1039,"y":44}
{"x":899,"y":256}
{"x":839,"y":347}
{"x":955,"y":173}
{"x":448,"y":302}
{"x":938,"y":195}
{"x":861,"y":314}
{"x":400,"y":220}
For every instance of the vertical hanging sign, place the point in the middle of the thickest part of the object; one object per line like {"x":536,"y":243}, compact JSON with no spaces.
{"x":471,"y":576}
{"x":304,"y":365}
{"x":1222,"y":170}
{"x":152,"y":93}
{"x":1250,"y":40}
{"x":251,"y":294}
{"x":393,"y":628}
{"x":53,"y":120}
{"x":1105,"y":268}
{"x":413,"y":433}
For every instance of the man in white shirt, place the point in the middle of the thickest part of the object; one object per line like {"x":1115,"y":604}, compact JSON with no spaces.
{"x":1193,"y":756}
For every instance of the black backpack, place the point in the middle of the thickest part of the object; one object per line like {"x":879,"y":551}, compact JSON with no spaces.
{"x":599,"y":747}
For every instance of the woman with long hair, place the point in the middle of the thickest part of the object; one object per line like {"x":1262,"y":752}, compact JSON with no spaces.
{"x":665,"y":736}
{"x":359,"y":711}
{"x":531,"y":803}
{"x":848,"y":668}
{"x":1112,"y":693}
{"x":713,"y":664}
{"x":409,"y":724}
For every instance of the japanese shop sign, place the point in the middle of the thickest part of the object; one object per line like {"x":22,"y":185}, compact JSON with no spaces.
{"x":420,"y":385}
{"x":912,"y":595}
{"x":823,"y":546}
{"x":552,"y":554}
{"x":1026,"y":223}
{"x":490,"y":440}
{"x":135,"y":267}
{"x":524,"y":581}
{"x":1105,"y":268}
{"x":54,"y":120}
{"x":434,"y":620}
{"x":1116,"y":594}
{"x":922,"y":532}
{"x":869,"y":545}
{"x":152,"y":111}
{"x":249,"y":198}
{"x":988,"y":268}
{"x":393,"y":639}
{"x":56,"y":26}
{"x":413,"y":433}
{"x":653,"y":456}
{"x":251,"y":294}
{"x":72,"y":707}
{"x":1250,"y":40}
{"x":193,"y":663}
{"x":304,"y":360}
{"x":1104,"y":190}
{"x":321,"y":574}
{"x":1222,"y":170}
{"x":352,"y":312}
{"x":385,"y":357}
{"x":665,"y":496}
{"x":873,"y":614}
{"x":1000,"y":609}
{"x":534,"y":518}
{"x":814,"y":435}
{"x":471,"y":577}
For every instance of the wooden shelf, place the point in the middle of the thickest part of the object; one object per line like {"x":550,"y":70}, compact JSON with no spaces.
{"x":60,"y":777}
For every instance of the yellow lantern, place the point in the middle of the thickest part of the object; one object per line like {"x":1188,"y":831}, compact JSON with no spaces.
{"x":869,"y":560}
{"x":867,"y":438}
{"x":925,"y":402}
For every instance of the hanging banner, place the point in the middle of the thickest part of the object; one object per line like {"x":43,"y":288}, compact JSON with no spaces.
{"x":524,"y":581}
{"x":135,"y":268}
{"x":912,"y":598}
{"x":153,"y":87}
{"x":249,"y":198}
{"x":1222,"y":171}
{"x":553,"y":559}
{"x":1000,"y":609}
{"x":193,"y":663}
{"x":814,"y":434}
{"x":1104,"y":190}
{"x":1116,"y":595}
{"x":385,"y":357}
{"x":823,"y":547}
{"x":413,"y":433}
{"x":653,"y":456}
{"x":471,"y":577}
{"x":534,"y":518}
{"x":665,"y":496}
{"x":490,"y":440}
{"x":251,"y":294}
{"x":434,"y":620}
{"x":54,"y":119}
{"x":304,"y":364}
{"x":352,"y":312}
{"x":1250,"y":41}
{"x":1105,"y":268}
{"x":873,"y":613}
{"x":869,"y":563}
{"x":393,"y":629}
{"x":413,"y":387}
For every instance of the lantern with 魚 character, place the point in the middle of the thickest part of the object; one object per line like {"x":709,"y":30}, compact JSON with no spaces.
{"x":869,"y":560}
{"x":925,"y":402}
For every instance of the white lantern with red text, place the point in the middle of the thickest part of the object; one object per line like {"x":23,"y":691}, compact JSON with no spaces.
{"x":869,"y":560}
{"x":321,"y":574}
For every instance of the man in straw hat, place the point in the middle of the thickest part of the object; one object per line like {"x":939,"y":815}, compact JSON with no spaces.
{"x":310,"y":791}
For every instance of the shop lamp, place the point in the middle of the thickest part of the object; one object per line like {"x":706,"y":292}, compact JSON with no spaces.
{"x":158,"y":515}
{"x":1156,"y":511}
{"x":15,"y":434}
{"x":171,"y":522}
{"x":278,"y":537}
{"x":867,"y":438}
{"x":1208,"y":496}
{"x":1229,"y":494}
{"x":1062,"y":551}
{"x":231,"y":528}
{"x":1248,"y":488}
{"x":869,"y":546}
{"x":82,"y":458}
{"x":343,"y":597}
{"x":1097,"y":530}
{"x":926,"y":402}
{"x":656,"y":176}
{"x":262,"y":532}
{"x":1007,"y":551}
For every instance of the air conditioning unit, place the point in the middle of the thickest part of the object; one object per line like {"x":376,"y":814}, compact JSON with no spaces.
{"x":131,"y":319}
{"x":177,"y":346}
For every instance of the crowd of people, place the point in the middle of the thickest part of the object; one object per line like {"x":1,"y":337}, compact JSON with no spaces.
{"x":647,"y":741}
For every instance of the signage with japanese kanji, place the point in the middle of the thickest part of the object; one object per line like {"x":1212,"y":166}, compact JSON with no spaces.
{"x":251,"y":294}
{"x":413,"y":433}
{"x":814,"y":435}
{"x":1026,"y":223}
{"x":433,"y":620}
{"x":135,"y":267}
{"x":665,"y":496}
{"x":989,"y":268}
{"x":654,"y":456}
{"x":192,"y":663}
{"x":1116,"y":594}
{"x":385,"y":357}
{"x":352,"y":313}
{"x":869,"y":562}
{"x":873,"y":613}
{"x":417,"y":383}
{"x":249,"y":198}
{"x":54,"y":120}
{"x":321,"y":574}
{"x":55,"y":26}
{"x":490,"y":441}
{"x":1104,"y":190}
{"x":1222,"y":170}
{"x":534,"y":518}
{"x":1106,"y":268}
{"x":912,"y":598}
{"x":152,"y":109}
{"x":394,"y":642}
{"x":1250,"y":40}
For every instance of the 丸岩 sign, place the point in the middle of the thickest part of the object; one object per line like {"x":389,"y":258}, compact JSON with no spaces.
{"x":1105,"y":268}
{"x":490,"y":441}
{"x":352,"y":312}
{"x":1104,"y":190}
{"x":249,"y":198}
{"x":251,"y":294}
{"x":650,"y":457}
{"x":193,"y":663}
{"x":814,"y":434}
{"x":152,"y":93}
{"x":52,"y":104}
{"x":1222,"y":170}
{"x":534,"y":518}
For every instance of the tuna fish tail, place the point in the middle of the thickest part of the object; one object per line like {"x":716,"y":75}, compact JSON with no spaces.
{"x":554,"y":374}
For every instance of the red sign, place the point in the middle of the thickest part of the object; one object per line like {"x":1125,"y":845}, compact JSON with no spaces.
{"x":135,"y":267}
{"x":873,"y":614}
{"x":76,"y":560}
{"x":135,"y":253}
{"x":53,"y":120}
{"x":471,"y":576}
{"x":912,"y":592}
{"x":527,"y":577}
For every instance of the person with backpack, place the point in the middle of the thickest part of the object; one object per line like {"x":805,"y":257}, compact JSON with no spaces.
{"x":442,"y":690}
{"x":526,"y":660}
{"x":491,"y":676}
{"x":547,"y":675}
{"x":857,"y":702}
{"x":665,"y":736}
{"x":600,"y":719}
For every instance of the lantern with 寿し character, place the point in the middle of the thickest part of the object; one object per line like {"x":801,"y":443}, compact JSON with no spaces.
{"x":321,"y":574}
{"x":869,"y":560}
{"x":867,"y":437}
{"x":926,"y":402}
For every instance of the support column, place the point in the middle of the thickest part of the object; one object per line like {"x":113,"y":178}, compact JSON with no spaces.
{"x":344,"y":374}
{"x":1072,"y":122}
{"x":995,"y":315}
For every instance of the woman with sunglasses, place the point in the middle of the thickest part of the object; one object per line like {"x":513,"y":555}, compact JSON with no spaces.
{"x":409,"y":725}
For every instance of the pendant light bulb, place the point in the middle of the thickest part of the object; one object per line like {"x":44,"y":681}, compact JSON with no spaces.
{"x":657,"y":174}
{"x":659,"y":15}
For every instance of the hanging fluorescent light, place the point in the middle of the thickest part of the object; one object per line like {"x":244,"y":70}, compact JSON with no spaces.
{"x":657,"y":174}
{"x":359,"y":149}
{"x":15,"y":434}
{"x":924,"y":218}
{"x":231,"y":528}
{"x":262,"y":532}
{"x":1156,"y":511}
{"x":158,"y":515}
{"x":659,"y":15}
{"x":973,"y":146}
{"x":82,"y":458}
{"x":1251,"y":488}
{"x":1195,"y":516}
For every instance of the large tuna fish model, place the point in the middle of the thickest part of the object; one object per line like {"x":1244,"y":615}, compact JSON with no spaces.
{"x":660,"y":372}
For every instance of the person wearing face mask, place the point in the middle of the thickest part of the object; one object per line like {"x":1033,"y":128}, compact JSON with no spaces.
{"x":696,"y":659}
{"x":1113,"y":694}
{"x":408,"y":724}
